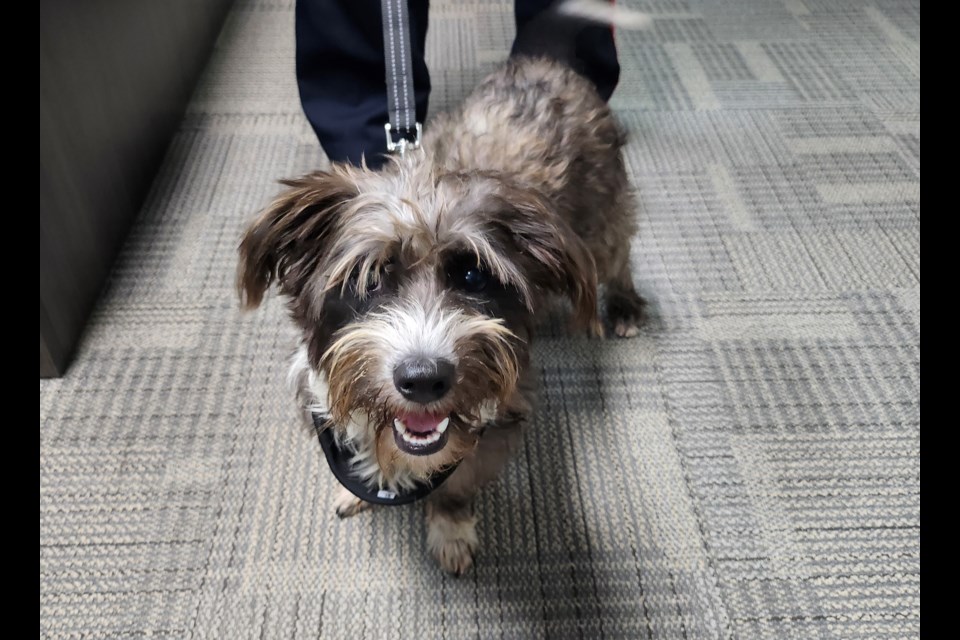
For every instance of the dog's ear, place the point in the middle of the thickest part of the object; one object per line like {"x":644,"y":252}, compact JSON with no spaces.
{"x":286,"y":241}
{"x":553,"y":255}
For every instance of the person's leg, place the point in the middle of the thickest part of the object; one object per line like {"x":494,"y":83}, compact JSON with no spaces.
{"x":341,"y":74}
{"x":596,"y":49}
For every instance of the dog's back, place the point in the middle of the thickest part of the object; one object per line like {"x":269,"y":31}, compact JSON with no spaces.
{"x":534,"y":118}
{"x":541,"y":123}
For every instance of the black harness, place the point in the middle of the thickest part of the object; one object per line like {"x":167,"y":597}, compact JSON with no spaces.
{"x":339,"y":461}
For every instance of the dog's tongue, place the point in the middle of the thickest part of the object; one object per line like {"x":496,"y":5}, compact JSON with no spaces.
{"x":421,"y":422}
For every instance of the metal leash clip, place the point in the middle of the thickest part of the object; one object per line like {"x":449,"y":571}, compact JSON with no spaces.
{"x":400,"y":146}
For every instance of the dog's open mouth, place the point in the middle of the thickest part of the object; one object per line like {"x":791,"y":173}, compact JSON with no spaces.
{"x":420,"y":434}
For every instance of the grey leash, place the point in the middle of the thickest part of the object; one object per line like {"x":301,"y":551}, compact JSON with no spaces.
{"x":403,"y":130}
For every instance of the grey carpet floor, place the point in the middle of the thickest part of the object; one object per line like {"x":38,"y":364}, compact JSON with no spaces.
{"x":746,"y":468}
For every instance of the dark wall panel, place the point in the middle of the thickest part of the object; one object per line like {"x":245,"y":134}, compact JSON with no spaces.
{"x":115,"y":76}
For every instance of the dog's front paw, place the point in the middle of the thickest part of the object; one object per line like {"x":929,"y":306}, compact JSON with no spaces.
{"x":625,"y":311}
{"x":455,"y":556}
{"x":346,"y":504}
{"x":452,"y":539}
{"x":626,"y":328}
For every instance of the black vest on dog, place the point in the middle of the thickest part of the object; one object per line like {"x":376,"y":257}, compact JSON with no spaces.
{"x":339,"y":461}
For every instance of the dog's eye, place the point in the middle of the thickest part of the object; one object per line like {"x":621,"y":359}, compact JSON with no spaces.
{"x":374,"y":279}
{"x":474,"y":280}
{"x":469,"y":277}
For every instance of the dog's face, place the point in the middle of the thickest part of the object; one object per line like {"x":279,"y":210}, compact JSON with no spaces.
{"x":415,"y":290}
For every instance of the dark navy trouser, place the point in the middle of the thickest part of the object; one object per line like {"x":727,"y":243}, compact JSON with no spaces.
{"x":341,"y":72}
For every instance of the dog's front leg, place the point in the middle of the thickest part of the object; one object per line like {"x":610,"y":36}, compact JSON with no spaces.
{"x":451,"y":515}
{"x":346,"y":504}
{"x":452,"y":531}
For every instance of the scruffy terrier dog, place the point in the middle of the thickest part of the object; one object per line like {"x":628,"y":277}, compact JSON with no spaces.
{"x":417,"y":286}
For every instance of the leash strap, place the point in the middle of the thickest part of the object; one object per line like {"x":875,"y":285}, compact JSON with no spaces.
{"x":403,"y":130}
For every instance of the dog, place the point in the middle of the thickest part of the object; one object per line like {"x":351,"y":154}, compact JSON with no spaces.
{"x":417,"y":286}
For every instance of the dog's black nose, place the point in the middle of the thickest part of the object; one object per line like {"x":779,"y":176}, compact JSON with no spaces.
{"x":424,"y":380}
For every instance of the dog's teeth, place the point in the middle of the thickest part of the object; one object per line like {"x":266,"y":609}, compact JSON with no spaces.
{"x":421,"y":439}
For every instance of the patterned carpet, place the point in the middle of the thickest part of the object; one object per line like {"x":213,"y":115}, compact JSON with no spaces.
{"x":746,"y":468}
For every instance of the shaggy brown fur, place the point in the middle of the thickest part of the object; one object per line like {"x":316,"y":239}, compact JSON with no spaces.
{"x":524,"y":183}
